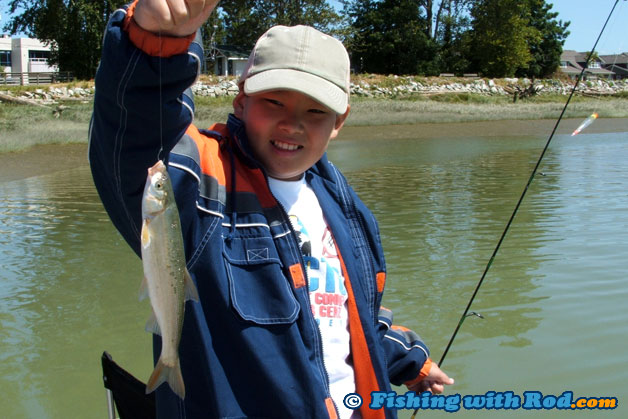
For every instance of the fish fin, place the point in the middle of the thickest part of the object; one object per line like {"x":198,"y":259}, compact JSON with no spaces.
{"x":152,"y":325}
{"x":169,"y":374}
{"x":143,"y":289}
{"x":190,"y":289}
{"x":145,"y":235}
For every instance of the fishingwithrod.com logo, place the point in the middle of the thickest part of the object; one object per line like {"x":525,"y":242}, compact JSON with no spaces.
{"x":494,"y":400}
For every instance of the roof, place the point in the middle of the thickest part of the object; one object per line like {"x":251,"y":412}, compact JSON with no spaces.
{"x":615,"y":58}
{"x":231,"y":52}
{"x":576,"y":60}
{"x":618,"y":70}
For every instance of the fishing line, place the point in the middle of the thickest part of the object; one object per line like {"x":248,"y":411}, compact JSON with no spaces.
{"x":466,"y":312}
{"x":161,"y":125}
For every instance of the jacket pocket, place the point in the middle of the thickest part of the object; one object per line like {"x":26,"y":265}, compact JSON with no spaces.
{"x":259,"y":290}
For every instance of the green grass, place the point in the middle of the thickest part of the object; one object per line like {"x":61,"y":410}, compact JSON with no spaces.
{"x":210,"y":110}
{"x":465,"y":107}
{"x":621,"y":95}
{"x":22,"y":126}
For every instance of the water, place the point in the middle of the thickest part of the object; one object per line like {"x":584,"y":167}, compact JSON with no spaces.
{"x":68,"y":291}
{"x":553,"y":302}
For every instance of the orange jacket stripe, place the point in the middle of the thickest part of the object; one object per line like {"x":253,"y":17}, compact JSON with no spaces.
{"x":422,"y":374}
{"x":381,"y":281}
{"x":251,"y":181}
{"x":365,"y":379}
{"x":247,"y":180}
{"x":331,"y":408}
{"x":153,"y":44}
{"x":297,"y":275}
{"x":211,"y":167}
{"x":402,"y":328}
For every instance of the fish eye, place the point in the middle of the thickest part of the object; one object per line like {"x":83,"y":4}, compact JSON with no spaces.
{"x":159,"y":185}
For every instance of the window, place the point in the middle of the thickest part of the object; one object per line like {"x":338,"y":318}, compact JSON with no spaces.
{"x":563,"y":64}
{"x":594,"y":64}
{"x":40,"y":56}
{"x":5,"y":58}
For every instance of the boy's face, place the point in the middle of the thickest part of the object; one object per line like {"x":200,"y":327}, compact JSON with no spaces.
{"x":287,"y":130}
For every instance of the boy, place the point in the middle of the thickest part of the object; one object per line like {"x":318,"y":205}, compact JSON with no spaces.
{"x":286,"y":259}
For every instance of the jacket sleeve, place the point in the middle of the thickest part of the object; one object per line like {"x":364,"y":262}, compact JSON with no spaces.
{"x":140,"y":112}
{"x":407,"y":355}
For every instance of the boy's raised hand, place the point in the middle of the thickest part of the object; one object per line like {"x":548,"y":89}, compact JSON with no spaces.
{"x":173,"y":17}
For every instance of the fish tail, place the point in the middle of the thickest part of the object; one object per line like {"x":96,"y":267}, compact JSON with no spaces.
{"x":167,"y":373}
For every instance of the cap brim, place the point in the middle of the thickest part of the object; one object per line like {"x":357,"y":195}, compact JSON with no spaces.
{"x":321,"y":90}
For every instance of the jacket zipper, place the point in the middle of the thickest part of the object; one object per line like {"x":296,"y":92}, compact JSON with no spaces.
{"x":344,"y":190}
{"x":293,"y":234}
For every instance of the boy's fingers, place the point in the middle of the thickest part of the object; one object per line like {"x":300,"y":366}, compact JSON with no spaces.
{"x":183,"y":11}
{"x":205,"y":8}
{"x":153,"y":15}
{"x":195,"y":7}
{"x":173,"y":17}
{"x":437,"y":388}
{"x":178,"y":12}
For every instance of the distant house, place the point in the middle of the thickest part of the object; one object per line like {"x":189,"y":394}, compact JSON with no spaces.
{"x":227,"y":60}
{"x":617,"y":63}
{"x":24,"y":55}
{"x":572,"y":62}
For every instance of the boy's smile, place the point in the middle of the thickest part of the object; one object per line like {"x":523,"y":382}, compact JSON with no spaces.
{"x":287,"y":130}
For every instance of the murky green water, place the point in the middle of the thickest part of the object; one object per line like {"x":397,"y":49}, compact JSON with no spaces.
{"x":554,"y":301}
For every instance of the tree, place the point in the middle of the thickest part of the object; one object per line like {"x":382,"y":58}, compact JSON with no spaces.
{"x":72,"y":28}
{"x":389,"y":36}
{"x":499,"y":37}
{"x":451,"y":23}
{"x":548,"y":47}
{"x":245,"y":20}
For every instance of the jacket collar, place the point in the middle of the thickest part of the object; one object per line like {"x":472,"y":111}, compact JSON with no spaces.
{"x":237,"y":134}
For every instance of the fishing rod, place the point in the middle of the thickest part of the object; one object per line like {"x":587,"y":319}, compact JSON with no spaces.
{"x":466,"y":312}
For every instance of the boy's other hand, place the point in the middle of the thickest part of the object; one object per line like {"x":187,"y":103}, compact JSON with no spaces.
{"x":173,"y":17}
{"x":434,"y":382}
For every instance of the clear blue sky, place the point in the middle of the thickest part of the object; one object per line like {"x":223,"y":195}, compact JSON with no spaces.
{"x":586,"y":16}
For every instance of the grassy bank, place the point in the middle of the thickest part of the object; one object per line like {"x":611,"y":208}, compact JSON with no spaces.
{"x":22,"y":126}
{"x":468,"y":107}
{"x":448,"y":108}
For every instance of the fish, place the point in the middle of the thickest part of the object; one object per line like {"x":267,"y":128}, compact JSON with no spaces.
{"x":585,"y":124}
{"x":167,"y":281}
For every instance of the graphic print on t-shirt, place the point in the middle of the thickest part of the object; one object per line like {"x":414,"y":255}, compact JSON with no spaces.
{"x":328,"y":296}
{"x":327,"y":291}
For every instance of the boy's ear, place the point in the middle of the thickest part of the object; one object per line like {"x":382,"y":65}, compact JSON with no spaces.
{"x":238,"y":104}
{"x":340,"y":121}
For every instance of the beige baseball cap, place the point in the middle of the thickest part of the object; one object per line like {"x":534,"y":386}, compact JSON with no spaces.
{"x":302,"y":59}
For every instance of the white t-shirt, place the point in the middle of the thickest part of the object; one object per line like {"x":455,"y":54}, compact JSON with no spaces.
{"x":328,"y":296}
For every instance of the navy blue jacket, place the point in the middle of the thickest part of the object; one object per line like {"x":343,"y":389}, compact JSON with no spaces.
{"x":250,"y":347}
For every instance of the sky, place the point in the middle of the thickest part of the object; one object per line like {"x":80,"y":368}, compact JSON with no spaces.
{"x":586,"y":16}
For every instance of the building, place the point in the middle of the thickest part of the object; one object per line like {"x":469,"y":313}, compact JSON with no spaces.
{"x":24,"y":55}
{"x":610,"y":67}
{"x":227,"y":60}
{"x":617,"y":63}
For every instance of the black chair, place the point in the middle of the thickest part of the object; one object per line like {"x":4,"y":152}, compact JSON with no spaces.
{"x":128,"y":393}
